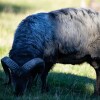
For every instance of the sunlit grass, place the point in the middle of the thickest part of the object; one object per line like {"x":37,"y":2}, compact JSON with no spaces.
{"x":76,"y":69}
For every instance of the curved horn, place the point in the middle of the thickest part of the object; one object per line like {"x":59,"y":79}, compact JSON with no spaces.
{"x":33,"y":63}
{"x":9,"y":63}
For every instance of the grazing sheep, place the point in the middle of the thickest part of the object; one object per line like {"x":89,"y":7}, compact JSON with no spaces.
{"x":68,"y":36}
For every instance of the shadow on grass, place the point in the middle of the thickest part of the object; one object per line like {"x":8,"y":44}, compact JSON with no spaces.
{"x":71,"y":83}
{"x":15,"y":8}
{"x":60,"y":84}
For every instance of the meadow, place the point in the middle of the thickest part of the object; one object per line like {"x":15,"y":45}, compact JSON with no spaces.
{"x":66,"y":82}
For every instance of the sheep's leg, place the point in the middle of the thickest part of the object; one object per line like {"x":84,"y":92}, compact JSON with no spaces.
{"x":44,"y":88}
{"x":96,"y":65}
{"x":30,"y":83}
{"x":97,"y":82}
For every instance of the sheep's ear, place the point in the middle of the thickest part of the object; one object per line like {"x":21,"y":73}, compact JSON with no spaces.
{"x":34,"y":63}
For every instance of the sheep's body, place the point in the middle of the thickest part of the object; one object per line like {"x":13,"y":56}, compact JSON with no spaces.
{"x":66,"y":31}
{"x":64,"y":36}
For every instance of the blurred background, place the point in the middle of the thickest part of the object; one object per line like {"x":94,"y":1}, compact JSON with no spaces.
{"x":71,"y":78}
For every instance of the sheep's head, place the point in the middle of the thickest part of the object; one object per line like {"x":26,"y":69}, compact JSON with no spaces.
{"x":20,"y":76}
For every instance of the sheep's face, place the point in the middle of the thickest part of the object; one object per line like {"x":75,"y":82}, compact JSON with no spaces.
{"x":22,"y":68}
{"x":19,"y":83}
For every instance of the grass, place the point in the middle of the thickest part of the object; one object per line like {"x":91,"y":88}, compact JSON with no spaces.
{"x":67,"y":82}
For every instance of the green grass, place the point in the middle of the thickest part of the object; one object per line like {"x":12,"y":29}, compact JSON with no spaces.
{"x":67,"y":82}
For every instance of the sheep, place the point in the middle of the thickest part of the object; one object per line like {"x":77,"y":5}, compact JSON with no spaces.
{"x":67,"y":36}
